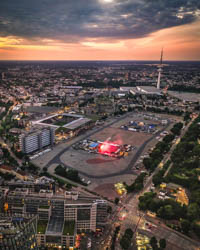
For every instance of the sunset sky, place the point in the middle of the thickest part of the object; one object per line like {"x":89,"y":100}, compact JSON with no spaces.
{"x":99,"y":29}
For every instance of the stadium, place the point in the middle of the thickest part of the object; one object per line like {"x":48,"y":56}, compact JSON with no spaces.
{"x":65,"y":125}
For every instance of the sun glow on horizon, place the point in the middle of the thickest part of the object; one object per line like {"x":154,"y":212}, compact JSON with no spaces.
{"x":178,"y":46}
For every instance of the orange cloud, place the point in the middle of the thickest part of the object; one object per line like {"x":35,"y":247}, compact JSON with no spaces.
{"x":180,"y":43}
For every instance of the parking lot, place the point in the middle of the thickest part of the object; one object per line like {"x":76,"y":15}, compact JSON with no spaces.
{"x":97,"y":165}
{"x":103,"y":170}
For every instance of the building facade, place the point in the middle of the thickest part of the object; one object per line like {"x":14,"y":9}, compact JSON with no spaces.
{"x":33,"y":141}
{"x":60,"y":217}
{"x":18,"y":232}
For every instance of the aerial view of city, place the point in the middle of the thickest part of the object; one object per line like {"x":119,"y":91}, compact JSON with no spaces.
{"x":99,"y":125}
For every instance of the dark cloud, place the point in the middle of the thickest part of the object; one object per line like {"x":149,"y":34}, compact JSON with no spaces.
{"x":73,"y":20}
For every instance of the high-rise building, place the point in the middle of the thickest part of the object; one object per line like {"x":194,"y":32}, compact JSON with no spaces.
{"x":18,"y":232}
{"x":60,"y":216}
{"x":36,"y":140}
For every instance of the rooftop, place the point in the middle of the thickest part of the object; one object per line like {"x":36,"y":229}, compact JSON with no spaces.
{"x":41,"y":109}
{"x":173,"y":185}
{"x":13,"y":224}
{"x":149,"y":90}
{"x":41,"y":226}
{"x":65,"y":120}
{"x":69,"y":228}
{"x":55,"y":226}
{"x":77,"y":123}
{"x":185,"y":96}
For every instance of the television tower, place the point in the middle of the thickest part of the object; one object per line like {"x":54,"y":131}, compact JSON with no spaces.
{"x":160,"y":69}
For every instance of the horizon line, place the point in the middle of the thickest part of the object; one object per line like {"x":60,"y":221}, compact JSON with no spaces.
{"x":98,"y":60}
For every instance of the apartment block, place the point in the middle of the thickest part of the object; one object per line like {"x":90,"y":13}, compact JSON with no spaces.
{"x":18,"y":232}
{"x":36,"y":140}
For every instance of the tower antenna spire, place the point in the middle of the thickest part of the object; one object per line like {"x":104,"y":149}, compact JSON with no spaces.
{"x":161,"y":57}
{"x":160,"y":69}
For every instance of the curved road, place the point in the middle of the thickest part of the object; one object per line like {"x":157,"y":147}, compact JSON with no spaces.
{"x":57,"y":160}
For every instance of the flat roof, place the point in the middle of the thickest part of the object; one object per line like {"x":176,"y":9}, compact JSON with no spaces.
{"x":185,"y":96}
{"x":172,"y":185}
{"x":71,"y":125}
{"x":150,"y":89}
{"x":42,"y":121}
{"x":127,"y":88}
{"x":55,"y":226}
{"x":82,"y":200}
{"x":77,"y":123}
{"x":69,"y":228}
{"x":41,"y":109}
{"x":72,"y":87}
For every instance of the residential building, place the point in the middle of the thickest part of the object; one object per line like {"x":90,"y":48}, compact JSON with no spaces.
{"x":36,"y":140}
{"x":18,"y":232}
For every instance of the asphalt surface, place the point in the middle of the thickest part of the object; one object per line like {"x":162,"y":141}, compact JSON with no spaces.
{"x":127,"y":170}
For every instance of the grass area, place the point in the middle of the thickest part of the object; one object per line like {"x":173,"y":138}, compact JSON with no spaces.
{"x":41,"y":226}
{"x":60,"y":123}
{"x":69,"y":228}
{"x":44,"y":206}
{"x":181,"y":177}
{"x":93,"y":117}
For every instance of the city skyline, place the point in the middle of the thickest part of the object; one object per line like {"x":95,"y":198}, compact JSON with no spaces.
{"x":99,"y":30}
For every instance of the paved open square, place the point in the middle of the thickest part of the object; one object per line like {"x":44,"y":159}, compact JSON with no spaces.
{"x":96,"y":165}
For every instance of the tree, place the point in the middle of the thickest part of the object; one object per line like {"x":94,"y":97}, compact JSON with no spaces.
{"x":116,"y":200}
{"x":146,"y":200}
{"x":193,"y":211}
{"x":125,"y":243}
{"x":168,"y":138}
{"x":186,"y":116}
{"x":177,"y":128}
{"x":166,"y":212}
{"x":129,"y":233}
{"x":109,"y":209}
{"x":158,"y":178}
{"x":148,"y":162}
{"x":45,"y":169}
{"x":154,"y":242}
{"x":156,"y":153}
{"x":162,"y":243}
{"x":196,"y":196}
{"x":196,"y":228}
{"x":185,"y":226}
